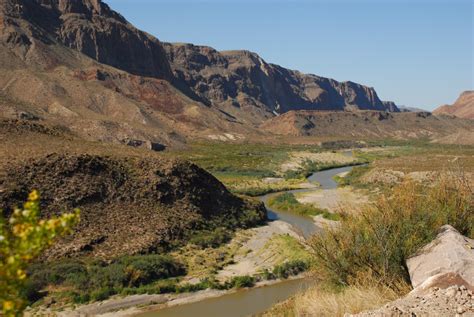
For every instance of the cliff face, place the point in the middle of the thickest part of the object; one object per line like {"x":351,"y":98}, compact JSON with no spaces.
{"x":88,"y":26}
{"x":463,"y":107}
{"x":242,"y":79}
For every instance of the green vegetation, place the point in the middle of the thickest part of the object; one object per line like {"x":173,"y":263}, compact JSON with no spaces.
{"x":254,"y":160}
{"x":97,"y":280}
{"x":211,"y":239}
{"x":290,"y":268}
{"x":22,"y":239}
{"x":375,"y":244}
{"x":353,"y":177}
{"x":242,"y":167}
{"x":287,"y":248}
{"x":251,"y":186}
{"x":288,"y":202}
{"x":241,"y":282}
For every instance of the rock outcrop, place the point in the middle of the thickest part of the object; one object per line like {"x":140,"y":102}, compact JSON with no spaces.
{"x":88,"y":26}
{"x":242,"y":79}
{"x":463,"y":107}
{"x":450,"y":252}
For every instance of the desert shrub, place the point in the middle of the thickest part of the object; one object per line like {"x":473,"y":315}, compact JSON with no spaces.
{"x":211,"y":239}
{"x":102,"y":294}
{"x":148,"y":268}
{"x":290,"y":268}
{"x":241,"y":282}
{"x":378,"y":241}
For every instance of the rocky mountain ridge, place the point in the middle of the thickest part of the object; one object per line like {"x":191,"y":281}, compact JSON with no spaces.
{"x":242,"y":79}
{"x":85,"y":67}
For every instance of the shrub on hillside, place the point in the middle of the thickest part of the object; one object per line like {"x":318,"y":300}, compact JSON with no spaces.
{"x":377,"y":242}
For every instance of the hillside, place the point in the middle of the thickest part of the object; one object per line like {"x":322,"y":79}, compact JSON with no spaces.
{"x":85,"y":67}
{"x":462,"y":108}
{"x":132,"y":201}
{"x":366,"y":124}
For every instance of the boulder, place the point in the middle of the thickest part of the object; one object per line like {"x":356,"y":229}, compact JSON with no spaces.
{"x":450,"y":252}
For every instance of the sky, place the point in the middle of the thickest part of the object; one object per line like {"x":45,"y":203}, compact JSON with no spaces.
{"x":417,"y":53}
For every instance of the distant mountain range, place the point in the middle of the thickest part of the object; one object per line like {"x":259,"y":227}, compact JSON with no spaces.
{"x":81,"y":65}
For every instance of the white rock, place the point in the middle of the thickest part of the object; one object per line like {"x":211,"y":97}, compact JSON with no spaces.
{"x":450,"y":252}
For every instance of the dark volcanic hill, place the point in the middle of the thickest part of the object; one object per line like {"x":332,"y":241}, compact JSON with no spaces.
{"x":128,"y":206}
{"x":463,"y":107}
{"x":80,"y":64}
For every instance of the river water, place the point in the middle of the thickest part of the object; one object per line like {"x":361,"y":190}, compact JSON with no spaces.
{"x":248,"y":302}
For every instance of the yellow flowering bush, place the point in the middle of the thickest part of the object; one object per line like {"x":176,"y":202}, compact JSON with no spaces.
{"x":22,"y":238}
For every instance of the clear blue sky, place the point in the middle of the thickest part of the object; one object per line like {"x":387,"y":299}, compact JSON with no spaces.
{"x":414,"y":52}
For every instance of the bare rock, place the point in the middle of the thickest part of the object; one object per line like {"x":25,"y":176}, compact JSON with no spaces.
{"x":450,"y":252}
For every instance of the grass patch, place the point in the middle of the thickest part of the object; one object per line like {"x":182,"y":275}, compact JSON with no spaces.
{"x":253,"y":160}
{"x":318,"y":301}
{"x":353,"y":177}
{"x":288,"y":202}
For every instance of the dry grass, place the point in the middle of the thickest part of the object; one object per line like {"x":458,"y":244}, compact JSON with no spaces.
{"x":320,"y":302}
{"x":353,"y":299}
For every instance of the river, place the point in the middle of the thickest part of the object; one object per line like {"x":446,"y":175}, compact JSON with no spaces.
{"x":256,"y":300}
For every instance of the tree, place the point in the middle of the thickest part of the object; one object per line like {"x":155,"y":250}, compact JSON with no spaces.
{"x":22,"y":239}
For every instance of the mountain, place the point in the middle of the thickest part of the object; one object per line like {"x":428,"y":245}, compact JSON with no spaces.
{"x":243,"y":80}
{"x":86,"y":68}
{"x":463,"y":107}
{"x":88,"y":26}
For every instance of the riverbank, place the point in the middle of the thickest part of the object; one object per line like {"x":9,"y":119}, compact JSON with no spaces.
{"x":136,"y":305}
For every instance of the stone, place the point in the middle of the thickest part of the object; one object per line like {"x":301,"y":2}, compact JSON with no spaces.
{"x":450,"y":252}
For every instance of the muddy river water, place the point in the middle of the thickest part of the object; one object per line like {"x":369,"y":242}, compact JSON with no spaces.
{"x":252,"y":301}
